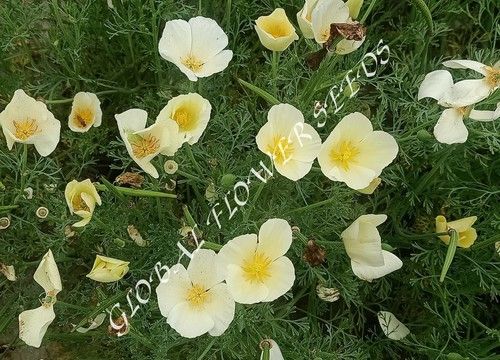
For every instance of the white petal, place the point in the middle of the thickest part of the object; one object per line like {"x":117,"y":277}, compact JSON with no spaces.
{"x":188,"y":322}
{"x":205,"y":268}
{"x":450,"y":128}
{"x":33,"y":324}
{"x":356,"y":177}
{"x":175,"y":42}
{"x":242,"y":290}
{"x":47,"y":142}
{"x":216,"y":64}
{"x":208,"y":38}
{"x":131,"y":120}
{"x":435,"y":84}
{"x":98,"y":320}
{"x":345,"y":46}
{"x":377,"y":151}
{"x":275,"y":238}
{"x":294,"y":169}
{"x":466,"y":64}
{"x":221,"y":309}
{"x":9,"y":271}
{"x":484,"y":115}
{"x":47,"y":274}
{"x":391,"y":326}
{"x":369,"y":273}
{"x":304,"y":19}
{"x":238,"y":249}
{"x":172,"y":289}
{"x":326,"y":13}
{"x":281,"y":279}
{"x":465,"y":93}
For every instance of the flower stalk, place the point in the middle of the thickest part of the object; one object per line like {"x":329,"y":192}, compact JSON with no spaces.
{"x":452,"y":247}
{"x":136,"y":192}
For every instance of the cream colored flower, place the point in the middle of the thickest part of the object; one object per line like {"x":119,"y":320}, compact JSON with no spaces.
{"x":196,"y":301}
{"x":275,"y":31}
{"x":466,"y":233}
{"x":289,"y":141}
{"x":191,"y":112}
{"x":355,"y":154}
{"x":33,"y":323}
{"x":142,"y":143}
{"x":196,"y":46}
{"x":371,"y":188}
{"x":304,"y":19}
{"x":257,"y":270}
{"x":364,"y":246}
{"x":85,"y":112}
{"x":81,"y":197}
{"x":354,"y":7}
{"x":107,"y":269}
{"x":27,"y":121}
{"x":391,"y":326}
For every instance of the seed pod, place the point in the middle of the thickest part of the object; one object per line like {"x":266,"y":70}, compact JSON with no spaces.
{"x":42,"y":212}
{"x":314,"y":254}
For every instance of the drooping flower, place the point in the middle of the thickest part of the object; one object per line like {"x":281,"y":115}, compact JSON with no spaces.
{"x":107,"y":269}
{"x":275,"y":31}
{"x":257,"y":268}
{"x":391,"y":326}
{"x":355,"y":154}
{"x":304,"y":19}
{"x":466,"y":233}
{"x":81,"y":197}
{"x":450,"y":128}
{"x":364,"y":246}
{"x":33,"y":323}
{"x":196,"y":301}
{"x":142,"y":143}
{"x":27,"y":121}
{"x":191,"y":112}
{"x":85,"y":112}
{"x":196,"y":46}
{"x":291,"y":143}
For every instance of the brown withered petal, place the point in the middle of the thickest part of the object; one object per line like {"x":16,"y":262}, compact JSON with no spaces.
{"x":130,"y":178}
{"x":350,"y":31}
{"x":119,"y":322}
{"x":314,"y":60}
{"x":314,"y":254}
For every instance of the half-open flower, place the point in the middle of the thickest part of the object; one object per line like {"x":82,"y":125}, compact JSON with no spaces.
{"x":107,"y":269}
{"x":304,"y":19}
{"x":196,"y":300}
{"x":289,"y":141}
{"x":142,"y":143}
{"x":33,"y":323}
{"x":275,"y":31}
{"x":81,"y":197}
{"x":364,"y":246}
{"x":257,"y":269}
{"x":195,"y":47}
{"x":355,"y":154}
{"x":191,"y":112}
{"x":466,"y":233}
{"x":27,"y":121}
{"x":85,"y":112}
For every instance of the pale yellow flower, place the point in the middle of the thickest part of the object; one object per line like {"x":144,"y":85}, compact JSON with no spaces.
{"x":81,"y":197}
{"x":354,"y":7}
{"x":466,"y":233}
{"x":107,"y":269}
{"x":304,"y":18}
{"x":85,"y":112}
{"x":371,"y":188}
{"x":275,"y":31}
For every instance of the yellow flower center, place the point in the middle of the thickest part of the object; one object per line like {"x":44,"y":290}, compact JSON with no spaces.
{"x":275,"y":28}
{"x":345,"y":155}
{"x":24,"y":129}
{"x":78,"y":203}
{"x":185,"y":118}
{"x":144,"y":146}
{"x":281,"y":150}
{"x":492,"y":76}
{"x":83,"y":117}
{"x":192,"y":63}
{"x":197,"y":296}
{"x":257,"y":268}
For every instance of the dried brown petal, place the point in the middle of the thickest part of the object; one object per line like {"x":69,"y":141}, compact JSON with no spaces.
{"x":314,"y":254}
{"x":120,"y":323}
{"x":136,"y":235}
{"x":130,"y":178}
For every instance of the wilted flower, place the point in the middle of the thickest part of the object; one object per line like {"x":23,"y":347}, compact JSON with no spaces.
{"x":28,"y":193}
{"x":196,"y":301}
{"x":85,"y":112}
{"x":42,"y":212}
{"x":170,"y":167}
{"x":291,"y":143}
{"x":27,"y":121}
{"x":33,"y":323}
{"x":81,"y":198}
{"x":98,"y":320}
{"x":364,"y":246}
{"x":136,"y":235}
{"x":314,"y":254}
{"x":356,"y":154}
{"x":466,"y":233}
{"x":195,"y":47}
{"x":142,"y":143}
{"x":275,"y":31}
{"x":4,"y":223}
{"x":191,"y":112}
{"x":257,"y":268}
{"x":8,"y":271}
{"x":107,"y":269}
{"x":327,"y":294}
{"x":391,"y":326}
{"x":130,"y":178}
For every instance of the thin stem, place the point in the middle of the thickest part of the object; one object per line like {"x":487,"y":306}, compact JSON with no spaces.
{"x":211,"y":246}
{"x":368,"y":11}
{"x":191,"y":177}
{"x":254,"y":201}
{"x":71,"y":306}
{"x":312,"y":206}
{"x":450,"y":254}
{"x":274,"y":70}
{"x":193,"y":160}
{"x":105,"y":92}
{"x":136,"y":192}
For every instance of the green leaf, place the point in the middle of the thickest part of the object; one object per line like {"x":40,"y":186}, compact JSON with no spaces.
{"x":262,"y":93}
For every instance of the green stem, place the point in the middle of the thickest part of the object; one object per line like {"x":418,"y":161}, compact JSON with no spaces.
{"x":191,"y":177}
{"x":71,"y":306}
{"x":193,"y":160}
{"x":211,"y":246}
{"x":105,"y":92}
{"x":137,"y":192}
{"x":274,"y":70}
{"x":6,"y":208}
{"x":368,"y":11}
{"x":312,"y":206}
{"x":452,"y":248}
{"x":300,"y":236}
{"x":266,"y":349}
{"x":190,"y":221}
{"x":254,"y":201}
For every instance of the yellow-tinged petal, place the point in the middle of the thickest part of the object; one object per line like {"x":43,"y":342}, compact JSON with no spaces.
{"x":81,"y":197}
{"x":371,"y":188}
{"x":85,"y":112}
{"x":108,"y":269}
{"x":354,"y":7}
{"x":33,"y":324}
{"x":47,"y":275}
{"x":467,"y":235}
{"x":275,"y":31}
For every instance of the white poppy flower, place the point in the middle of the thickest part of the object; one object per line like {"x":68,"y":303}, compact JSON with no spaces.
{"x":325,"y":13}
{"x":82,"y":197}
{"x":450,"y":128}
{"x":355,"y":154}
{"x":196,"y":300}
{"x":364,"y":246}
{"x":274,"y":351}
{"x":275,"y":31}
{"x":257,"y":270}
{"x":142,"y":143}
{"x":391,"y":326}
{"x":85,"y":112}
{"x":304,"y":19}
{"x":289,"y":141}
{"x":33,"y":323}
{"x":27,"y":121}
{"x":191,"y":112}
{"x":195,"y":47}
